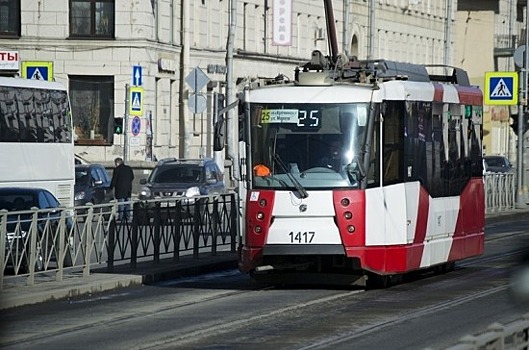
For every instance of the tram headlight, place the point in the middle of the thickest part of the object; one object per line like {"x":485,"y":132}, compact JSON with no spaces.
{"x":260,"y":215}
{"x":348,"y":215}
{"x":262,"y":202}
{"x":345,"y":202}
{"x":351,"y":229}
{"x":257,"y":229}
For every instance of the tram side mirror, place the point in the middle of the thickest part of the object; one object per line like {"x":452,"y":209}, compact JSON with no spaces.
{"x":219,"y":135}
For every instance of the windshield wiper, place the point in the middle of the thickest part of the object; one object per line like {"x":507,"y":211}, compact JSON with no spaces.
{"x":303,"y":193}
{"x":355,"y":172}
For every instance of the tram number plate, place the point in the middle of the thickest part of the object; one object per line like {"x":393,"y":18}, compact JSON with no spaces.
{"x":301,"y":237}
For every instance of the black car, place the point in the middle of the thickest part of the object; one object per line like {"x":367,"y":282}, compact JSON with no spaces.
{"x":173,"y":178}
{"x":22,"y":199}
{"x":92,"y":184}
{"x":497,"y":164}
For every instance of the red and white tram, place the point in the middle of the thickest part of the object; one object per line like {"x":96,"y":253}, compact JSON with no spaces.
{"x":361,"y":169}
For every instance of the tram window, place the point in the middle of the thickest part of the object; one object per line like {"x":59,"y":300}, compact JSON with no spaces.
{"x":393,"y":142}
{"x":418,"y":141}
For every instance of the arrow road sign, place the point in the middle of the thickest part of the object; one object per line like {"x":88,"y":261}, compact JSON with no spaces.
{"x":137,"y":78}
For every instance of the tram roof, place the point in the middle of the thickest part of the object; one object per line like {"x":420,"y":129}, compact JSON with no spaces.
{"x":349,"y":93}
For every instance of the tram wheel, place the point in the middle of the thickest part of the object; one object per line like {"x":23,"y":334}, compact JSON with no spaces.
{"x":375,"y":281}
{"x":446,"y":267}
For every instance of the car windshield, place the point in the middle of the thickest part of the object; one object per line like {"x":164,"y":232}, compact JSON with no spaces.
{"x":81,"y":177}
{"x":495,"y":162}
{"x":181,"y":173}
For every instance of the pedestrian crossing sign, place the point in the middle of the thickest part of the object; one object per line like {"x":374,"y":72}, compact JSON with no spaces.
{"x":501,"y":88}
{"x":37,"y":70}
{"x":136,"y":101}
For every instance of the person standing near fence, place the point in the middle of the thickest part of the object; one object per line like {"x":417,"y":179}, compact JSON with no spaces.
{"x":122,"y":184}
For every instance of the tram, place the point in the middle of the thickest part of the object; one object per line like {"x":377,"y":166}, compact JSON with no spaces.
{"x":360,"y":171}
{"x":372,"y":169}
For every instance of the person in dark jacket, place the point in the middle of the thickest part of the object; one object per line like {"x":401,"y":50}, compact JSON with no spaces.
{"x":122,"y":184}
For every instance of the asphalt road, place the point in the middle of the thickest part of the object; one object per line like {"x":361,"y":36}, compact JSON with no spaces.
{"x":226,"y":310}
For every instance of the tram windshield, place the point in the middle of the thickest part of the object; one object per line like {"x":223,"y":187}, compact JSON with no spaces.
{"x":315,"y":146}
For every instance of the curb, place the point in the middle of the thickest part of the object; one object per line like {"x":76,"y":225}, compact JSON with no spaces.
{"x":517,"y":214}
{"x":39,"y":294}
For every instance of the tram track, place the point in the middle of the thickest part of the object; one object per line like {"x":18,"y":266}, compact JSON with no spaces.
{"x":104,"y":321}
{"x":397,"y":319}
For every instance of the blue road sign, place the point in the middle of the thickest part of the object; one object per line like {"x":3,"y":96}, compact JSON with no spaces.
{"x":136,"y":101}
{"x":501,"y":88}
{"x":37,"y":70}
{"x":136,"y":126}
{"x":38,"y":73}
{"x":137,"y":78}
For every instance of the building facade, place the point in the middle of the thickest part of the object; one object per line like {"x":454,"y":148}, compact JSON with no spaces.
{"x":96,"y":46}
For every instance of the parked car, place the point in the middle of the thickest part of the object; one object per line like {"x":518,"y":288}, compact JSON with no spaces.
{"x":92,"y":184}
{"x":497,"y":164}
{"x":80,"y":160}
{"x":20,"y":199}
{"x":187,"y":178}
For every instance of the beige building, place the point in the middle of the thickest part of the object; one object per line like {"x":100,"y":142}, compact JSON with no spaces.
{"x":487,"y":34}
{"x":94,"y":47}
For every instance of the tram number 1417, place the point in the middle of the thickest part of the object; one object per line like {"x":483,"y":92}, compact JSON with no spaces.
{"x":301,"y":237}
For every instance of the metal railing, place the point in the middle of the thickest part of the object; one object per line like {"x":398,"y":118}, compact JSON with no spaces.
{"x":52,"y":242}
{"x":498,"y":336}
{"x":500,"y":191}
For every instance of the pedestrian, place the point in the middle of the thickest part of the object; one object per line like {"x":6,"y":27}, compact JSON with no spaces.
{"x":122,"y":184}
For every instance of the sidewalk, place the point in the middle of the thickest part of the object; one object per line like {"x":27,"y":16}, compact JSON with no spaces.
{"x":74,"y":284}
{"x":99,"y":280}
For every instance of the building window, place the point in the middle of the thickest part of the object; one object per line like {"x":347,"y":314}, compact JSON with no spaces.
{"x":92,"y":100}
{"x":92,"y":18}
{"x":9,"y":18}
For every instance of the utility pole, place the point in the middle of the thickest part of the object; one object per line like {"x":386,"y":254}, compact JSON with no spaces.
{"x":346,"y":19}
{"x":371,"y":31}
{"x":520,"y":200}
{"x":125,"y":124}
{"x":448,"y":34}
{"x":232,"y":125}
{"x":184,"y":116}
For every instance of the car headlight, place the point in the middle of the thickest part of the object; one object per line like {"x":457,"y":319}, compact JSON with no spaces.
{"x":79,"y":195}
{"x":145,"y":192}
{"x":192,"y":191}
